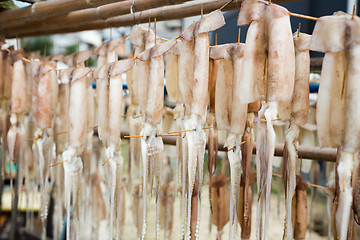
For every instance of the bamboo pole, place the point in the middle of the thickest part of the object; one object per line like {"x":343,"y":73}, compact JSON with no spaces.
{"x":164,"y":13}
{"x":49,"y":8}
{"x":314,"y":153}
{"x":188,"y":9}
{"x":100,"y":13}
{"x":316,"y":64}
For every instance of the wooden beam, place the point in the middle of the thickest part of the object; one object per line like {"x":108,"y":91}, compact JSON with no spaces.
{"x":187,"y":9}
{"x":314,"y":153}
{"x":49,"y":8}
{"x":316,"y":64}
{"x":87,"y":15}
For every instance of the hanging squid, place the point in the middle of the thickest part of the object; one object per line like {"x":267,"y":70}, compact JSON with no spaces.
{"x":77,"y":59}
{"x":152,"y":145}
{"x":43,"y":107}
{"x":88,"y":151}
{"x":18,"y":110}
{"x":17,"y":132}
{"x":172,"y":77}
{"x":72,"y":162}
{"x":5,"y":94}
{"x":342,"y":91}
{"x":248,"y":177}
{"x":167,"y":199}
{"x":172,"y":87}
{"x":184,"y":49}
{"x":112,"y":50}
{"x":211,"y":121}
{"x":61,"y":141}
{"x":220,"y":202}
{"x":114,"y":150}
{"x":137,"y":209}
{"x":142,"y":39}
{"x":296,"y":111}
{"x":330,"y":109}
{"x":101,"y":52}
{"x":268,"y":74}
{"x":198,"y":102}
{"x":30,"y":180}
{"x":231,"y":115}
{"x":109,"y":84}
{"x":213,"y":130}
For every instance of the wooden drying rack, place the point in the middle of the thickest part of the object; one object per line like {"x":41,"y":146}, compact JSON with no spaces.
{"x":65,"y":16}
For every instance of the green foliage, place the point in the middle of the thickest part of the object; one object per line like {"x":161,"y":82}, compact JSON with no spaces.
{"x":9,"y":4}
{"x":91,"y":62}
{"x":71,"y":49}
{"x":38,"y":44}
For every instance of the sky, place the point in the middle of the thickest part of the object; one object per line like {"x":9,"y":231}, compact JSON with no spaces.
{"x":21,"y":4}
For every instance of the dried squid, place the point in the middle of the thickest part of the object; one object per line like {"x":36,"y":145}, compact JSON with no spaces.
{"x":172,"y":86}
{"x":61,"y":140}
{"x":296,"y":111}
{"x":16,"y":133}
{"x":110,"y":110}
{"x":184,"y":49}
{"x":43,"y":106}
{"x":211,"y":120}
{"x":248,"y":177}
{"x":268,"y":74}
{"x":114,"y":144}
{"x":142,"y":39}
{"x":172,"y":76}
{"x":219,"y":202}
{"x":29,"y":156}
{"x":167,"y":199}
{"x":101,"y":52}
{"x":330,"y":108}
{"x":231,"y":115}
{"x":19,"y":108}
{"x":5,"y":94}
{"x":337,"y":36}
{"x":112,"y":50}
{"x":78,"y":59}
{"x":197,"y":105}
{"x":73,"y":165}
{"x":213,"y":130}
{"x":151,"y":145}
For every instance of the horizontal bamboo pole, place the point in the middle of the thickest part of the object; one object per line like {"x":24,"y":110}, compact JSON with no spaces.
{"x":49,"y":8}
{"x":85,"y":16}
{"x":316,"y":64}
{"x":314,"y":153}
{"x":187,"y":9}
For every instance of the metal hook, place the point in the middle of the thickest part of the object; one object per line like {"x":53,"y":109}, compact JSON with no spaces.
{"x":132,"y":10}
